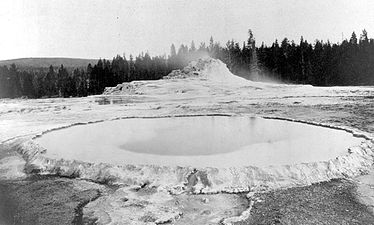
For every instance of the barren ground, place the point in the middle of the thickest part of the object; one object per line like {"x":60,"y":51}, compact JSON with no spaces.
{"x":28,"y":198}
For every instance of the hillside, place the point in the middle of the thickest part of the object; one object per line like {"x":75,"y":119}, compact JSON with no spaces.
{"x":26,"y":63}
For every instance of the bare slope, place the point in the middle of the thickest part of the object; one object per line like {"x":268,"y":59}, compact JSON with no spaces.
{"x":27,"y":63}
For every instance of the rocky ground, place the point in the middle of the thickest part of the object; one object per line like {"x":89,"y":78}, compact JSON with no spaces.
{"x":331,"y":202}
{"x":28,"y":197}
{"x":45,"y":200}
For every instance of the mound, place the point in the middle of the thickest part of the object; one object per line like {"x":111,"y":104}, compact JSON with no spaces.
{"x":207,"y":68}
{"x":211,"y":71}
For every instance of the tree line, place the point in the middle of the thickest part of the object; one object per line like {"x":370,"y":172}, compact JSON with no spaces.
{"x":66,"y":82}
{"x":322,"y":63}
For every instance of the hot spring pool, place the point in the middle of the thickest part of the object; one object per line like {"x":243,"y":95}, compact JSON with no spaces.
{"x":201,"y":141}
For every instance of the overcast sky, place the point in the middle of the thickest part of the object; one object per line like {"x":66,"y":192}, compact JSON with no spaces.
{"x":104,"y":28}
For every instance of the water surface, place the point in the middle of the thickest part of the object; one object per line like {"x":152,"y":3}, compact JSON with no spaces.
{"x":218,"y":141}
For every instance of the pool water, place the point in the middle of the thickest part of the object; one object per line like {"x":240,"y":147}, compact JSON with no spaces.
{"x":214,"y":141}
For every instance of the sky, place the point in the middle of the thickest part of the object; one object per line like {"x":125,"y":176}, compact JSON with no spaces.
{"x":105,"y":28}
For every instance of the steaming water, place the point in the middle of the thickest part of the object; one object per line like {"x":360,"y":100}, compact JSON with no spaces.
{"x":217,"y":141}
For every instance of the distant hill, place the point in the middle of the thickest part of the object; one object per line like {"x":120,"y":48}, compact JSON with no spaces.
{"x":29,"y":63}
